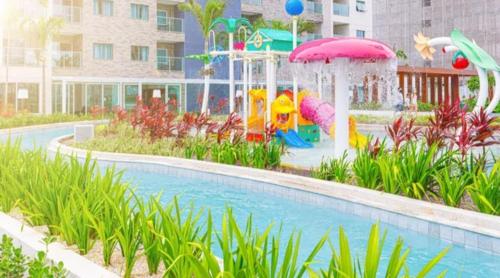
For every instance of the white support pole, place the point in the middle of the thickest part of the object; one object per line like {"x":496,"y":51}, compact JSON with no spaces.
{"x":231,"y":73}
{"x":245,"y":95}
{"x":48,"y":66}
{"x":341,"y":113}
{"x":121,"y":95}
{"x":250,"y":75}
{"x":295,"y":82}
{"x":250,"y":85}
{"x":483,"y":88}
{"x":268,"y":85}
{"x":320,"y":84}
{"x":64,"y":96}
{"x":140,"y":91}
{"x":166,"y":95}
{"x":496,"y":96}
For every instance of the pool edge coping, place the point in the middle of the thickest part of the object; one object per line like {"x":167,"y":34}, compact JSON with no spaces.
{"x":467,"y":220}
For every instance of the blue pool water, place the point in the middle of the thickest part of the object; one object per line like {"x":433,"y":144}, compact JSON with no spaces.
{"x":310,"y":218}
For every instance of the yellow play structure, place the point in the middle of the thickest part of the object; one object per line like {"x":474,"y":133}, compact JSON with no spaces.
{"x":316,"y":115}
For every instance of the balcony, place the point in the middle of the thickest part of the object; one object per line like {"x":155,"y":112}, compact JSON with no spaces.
{"x":341,"y":9}
{"x":20,"y":56}
{"x":67,"y":59}
{"x":70,"y":14}
{"x":170,"y":63}
{"x":314,"y":7}
{"x":310,"y":37}
{"x":252,"y":2}
{"x":170,"y":24}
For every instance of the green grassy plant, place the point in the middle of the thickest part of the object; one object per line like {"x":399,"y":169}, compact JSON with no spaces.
{"x":344,"y":265}
{"x":19,"y":120}
{"x":333,"y":170}
{"x":83,"y":205}
{"x":452,"y":184}
{"x":365,"y":168}
{"x":485,"y":190}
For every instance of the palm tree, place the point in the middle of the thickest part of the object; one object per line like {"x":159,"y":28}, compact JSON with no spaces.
{"x":42,"y":30}
{"x":303,"y":26}
{"x":205,"y":17}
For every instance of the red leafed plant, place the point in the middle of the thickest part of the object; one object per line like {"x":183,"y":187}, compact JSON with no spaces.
{"x":401,"y":131}
{"x":220,"y":105}
{"x":444,"y":123}
{"x":233,"y":123}
{"x":269,"y":132}
{"x":184,"y":126}
{"x":157,"y":121}
{"x":203,"y":120}
{"x":136,"y":118}
{"x":97,"y":111}
{"x":374,"y":147}
{"x":475,"y":131}
{"x":120,"y":115}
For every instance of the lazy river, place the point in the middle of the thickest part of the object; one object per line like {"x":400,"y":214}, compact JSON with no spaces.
{"x":310,"y":213}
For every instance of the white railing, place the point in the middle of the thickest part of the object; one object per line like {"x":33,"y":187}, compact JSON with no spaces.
{"x":341,"y":9}
{"x":314,"y":7}
{"x":170,"y":24}
{"x":67,"y":59}
{"x":310,"y":37}
{"x":70,"y":14}
{"x":252,"y":2}
{"x":170,"y":63}
{"x":20,"y":56}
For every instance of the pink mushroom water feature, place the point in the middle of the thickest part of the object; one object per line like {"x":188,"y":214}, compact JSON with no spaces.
{"x":348,"y":61}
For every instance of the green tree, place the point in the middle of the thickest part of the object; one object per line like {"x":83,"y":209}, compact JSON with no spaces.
{"x":205,"y":18}
{"x":42,"y":30}
{"x":473,"y":83}
{"x":303,"y":26}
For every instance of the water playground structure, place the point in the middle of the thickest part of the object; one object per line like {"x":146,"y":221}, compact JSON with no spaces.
{"x":300,"y":116}
{"x":465,"y":52}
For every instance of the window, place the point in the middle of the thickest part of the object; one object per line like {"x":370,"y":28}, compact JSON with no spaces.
{"x":360,"y":6}
{"x":426,"y":23}
{"x":139,"y":53}
{"x":103,"y":7}
{"x":427,"y":3}
{"x":139,"y":11}
{"x":360,"y":33}
{"x":103,"y":51}
{"x":131,"y":94}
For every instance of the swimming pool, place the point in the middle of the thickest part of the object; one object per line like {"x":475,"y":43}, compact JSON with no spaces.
{"x":268,"y":207}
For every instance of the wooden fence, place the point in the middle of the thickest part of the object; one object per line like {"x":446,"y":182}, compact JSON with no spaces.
{"x":432,"y":85}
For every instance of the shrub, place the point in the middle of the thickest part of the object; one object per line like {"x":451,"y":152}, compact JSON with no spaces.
{"x":343,"y":264}
{"x":452,"y":184}
{"x":14,"y":264}
{"x":165,"y":234}
{"x":365,"y":167}
{"x":485,"y":190}
{"x":333,"y":170}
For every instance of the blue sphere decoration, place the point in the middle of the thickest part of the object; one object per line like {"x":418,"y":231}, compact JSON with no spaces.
{"x":294,"y":7}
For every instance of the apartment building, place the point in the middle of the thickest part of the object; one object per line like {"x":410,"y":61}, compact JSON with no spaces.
{"x":395,"y":22}
{"x":332,"y":17}
{"x":109,"y":52}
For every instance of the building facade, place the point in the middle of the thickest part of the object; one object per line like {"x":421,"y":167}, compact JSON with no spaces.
{"x":396,"y":21}
{"x":110,"y":52}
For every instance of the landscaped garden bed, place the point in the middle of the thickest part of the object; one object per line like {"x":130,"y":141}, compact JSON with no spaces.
{"x":101,"y":217}
{"x":20,"y":120}
{"x":446,"y":161}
